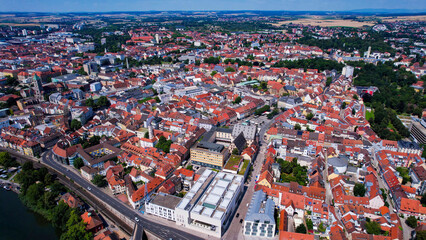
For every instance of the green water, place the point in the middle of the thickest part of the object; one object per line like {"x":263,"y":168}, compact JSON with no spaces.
{"x":17,"y":222}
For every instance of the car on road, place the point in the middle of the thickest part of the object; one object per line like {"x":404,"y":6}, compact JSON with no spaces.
{"x":89,"y":188}
{"x":136,"y":219}
{"x":237,"y":215}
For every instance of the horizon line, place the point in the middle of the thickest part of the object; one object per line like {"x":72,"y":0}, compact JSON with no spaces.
{"x":366,"y":10}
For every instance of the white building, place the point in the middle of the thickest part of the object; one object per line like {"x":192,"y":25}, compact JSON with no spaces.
{"x":94,"y":87}
{"x":163,"y":205}
{"x":348,"y":71}
{"x":209,"y":205}
{"x":259,"y":219}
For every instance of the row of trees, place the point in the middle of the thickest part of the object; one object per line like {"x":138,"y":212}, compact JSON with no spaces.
{"x":34,"y":183}
{"x":113,"y":42}
{"x":386,"y":124}
{"x":261,"y":110}
{"x":7,"y":161}
{"x":99,"y":103}
{"x":350,"y":44}
{"x":395,"y":91}
{"x":314,"y":63}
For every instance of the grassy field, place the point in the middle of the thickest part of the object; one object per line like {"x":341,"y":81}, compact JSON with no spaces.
{"x":19,"y":24}
{"x":326,"y":22}
{"x":244,"y":168}
{"x":233,"y":162}
{"x":369,"y":115}
{"x":404,"y":18}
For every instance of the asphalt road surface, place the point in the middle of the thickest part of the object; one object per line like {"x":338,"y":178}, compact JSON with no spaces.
{"x":235,"y":229}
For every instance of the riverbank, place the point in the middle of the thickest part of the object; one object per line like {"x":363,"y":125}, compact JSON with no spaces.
{"x":18,"y":222}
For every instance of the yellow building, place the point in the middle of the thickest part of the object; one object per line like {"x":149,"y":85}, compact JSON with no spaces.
{"x":209,"y":154}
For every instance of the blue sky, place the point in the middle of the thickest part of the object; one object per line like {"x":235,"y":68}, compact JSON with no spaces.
{"x":167,"y":5}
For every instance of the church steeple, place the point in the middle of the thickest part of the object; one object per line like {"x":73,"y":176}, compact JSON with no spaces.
{"x":38,"y":87}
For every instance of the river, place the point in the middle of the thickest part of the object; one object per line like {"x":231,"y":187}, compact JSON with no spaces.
{"x":17,"y":222}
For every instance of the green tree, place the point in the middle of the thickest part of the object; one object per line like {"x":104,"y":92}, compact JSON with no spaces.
{"x":102,"y":102}
{"x":76,"y":228}
{"x":373,"y":227}
{"x":309,"y":116}
{"x":189,"y":167}
{"x":229,"y":69}
{"x":421,"y":235}
{"x":56,"y":187}
{"x":49,"y":200}
{"x":309,"y":224}
{"x":235,"y":151}
{"x":423,"y":200}
{"x":297,"y":127}
{"x":164,"y":144}
{"x":237,"y":100}
{"x":301,"y":229}
{"x":328,"y":82}
{"x":81,"y":71}
{"x":75,"y":124}
{"x":355,"y":97}
{"x":411,"y":222}
{"x":359,"y":190}
{"x":99,"y":180}
{"x":11,"y":102}
{"x":146,"y":135}
{"x":59,"y":215}
{"x":7,"y":161}
{"x":90,"y":102}
{"x":34,"y":193}
{"x":321,"y":227}
{"x":78,"y":163}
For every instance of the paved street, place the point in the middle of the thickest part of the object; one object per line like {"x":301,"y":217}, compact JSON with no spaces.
{"x":235,"y":229}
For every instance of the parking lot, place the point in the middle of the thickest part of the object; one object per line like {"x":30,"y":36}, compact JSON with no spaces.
{"x":256,"y":120}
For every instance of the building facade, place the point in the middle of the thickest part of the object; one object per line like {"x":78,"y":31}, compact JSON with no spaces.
{"x":163,"y":205}
{"x":209,"y":154}
{"x":209,"y":206}
{"x":259,"y":219}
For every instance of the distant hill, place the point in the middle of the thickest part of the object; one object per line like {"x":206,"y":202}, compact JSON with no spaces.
{"x":389,"y":11}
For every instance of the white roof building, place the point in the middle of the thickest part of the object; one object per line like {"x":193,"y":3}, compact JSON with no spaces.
{"x":209,"y":205}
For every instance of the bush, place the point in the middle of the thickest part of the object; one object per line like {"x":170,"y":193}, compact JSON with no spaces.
{"x":411,"y":222}
{"x":99,"y":180}
{"x":359,"y":190}
{"x":309,"y":224}
{"x":301,"y":229}
{"x":78,"y":163}
{"x":373,"y":227}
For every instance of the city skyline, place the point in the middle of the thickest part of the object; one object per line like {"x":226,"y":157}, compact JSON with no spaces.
{"x":203,"y":5}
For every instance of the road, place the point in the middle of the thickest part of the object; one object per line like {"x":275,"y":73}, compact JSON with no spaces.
{"x":406,"y":229}
{"x":235,"y":229}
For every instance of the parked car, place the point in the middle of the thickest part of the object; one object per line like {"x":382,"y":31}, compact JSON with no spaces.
{"x":237,"y":215}
{"x":136,"y":219}
{"x":241,"y":220}
{"x":89,"y":188}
